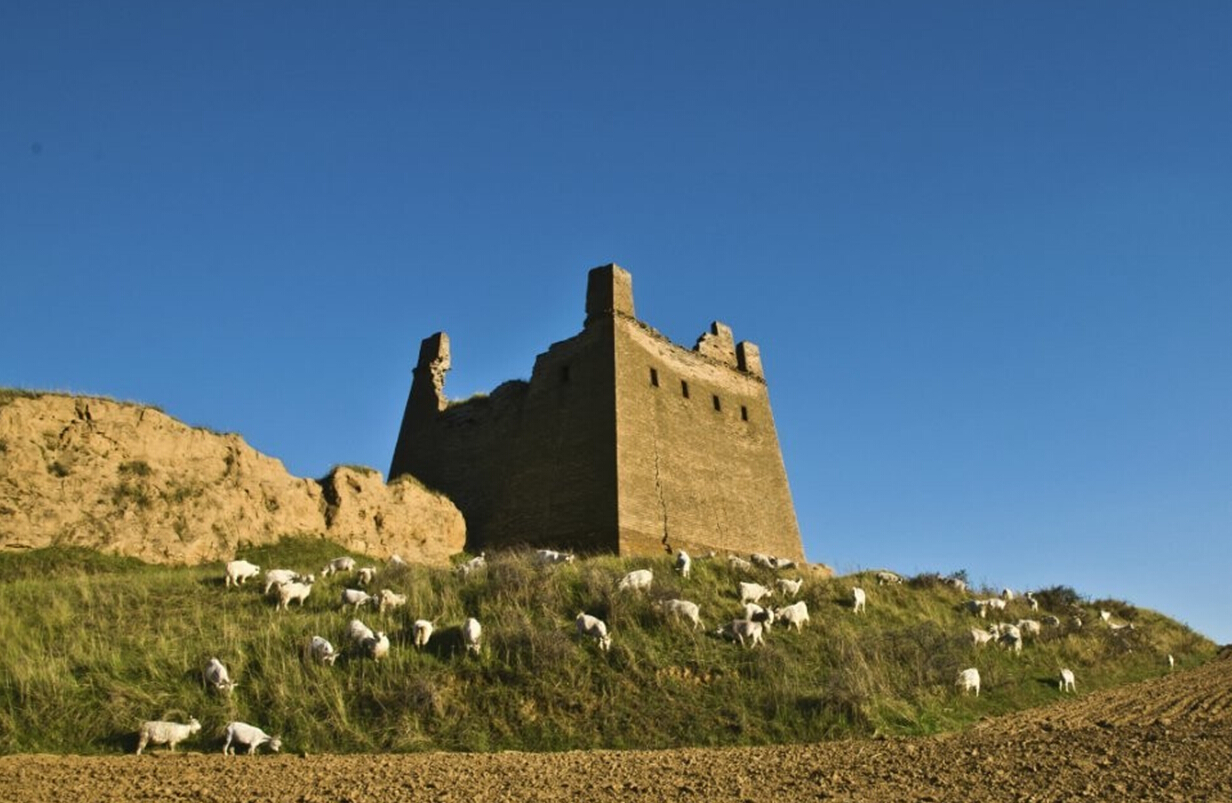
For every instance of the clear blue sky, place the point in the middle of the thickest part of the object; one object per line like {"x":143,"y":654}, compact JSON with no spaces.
{"x":986,"y":248}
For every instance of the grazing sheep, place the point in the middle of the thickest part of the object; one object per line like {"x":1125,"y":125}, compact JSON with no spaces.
{"x":752,"y":592}
{"x":396,"y":560}
{"x":593,"y":627}
{"x":477,"y":562}
{"x":978,"y":607}
{"x":1067,"y":682}
{"x":168,"y":733}
{"x":789,"y":587}
{"x":376,"y":646}
{"x":1119,"y":628}
{"x":969,"y":679}
{"x":742,"y":629}
{"x":764,"y":561}
{"x":216,"y":675}
{"x":548,"y":556}
{"x":795,"y":614}
{"x":292,"y":592}
{"x":1012,"y":637}
{"x":1029,"y":627}
{"x":888,"y":577}
{"x":684,"y":564}
{"x":637,"y":580}
{"x":421,"y":631}
{"x":957,"y":583}
{"x":357,"y":631}
{"x":388,"y":600}
{"x":366,"y":575}
{"x":683,"y":609}
{"x":859,"y":600}
{"x":1051,"y":621}
{"x":322,"y":651}
{"x":1007,"y":595}
{"x":782,"y":563}
{"x":739,"y":563}
{"x":277,"y":577}
{"x":472,"y":632}
{"x":355,"y":598}
{"x":237,"y":571}
{"x":981,"y":637}
{"x":253,"y":737}
{"x":995,"y":604}
{"x":1076,"y":621}
{"x":338,"y":565}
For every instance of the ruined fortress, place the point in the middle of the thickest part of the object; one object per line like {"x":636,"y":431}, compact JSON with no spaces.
{"x":621,"y":442}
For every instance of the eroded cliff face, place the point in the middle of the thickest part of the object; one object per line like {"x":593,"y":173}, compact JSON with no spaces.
{"x":132,"y":480}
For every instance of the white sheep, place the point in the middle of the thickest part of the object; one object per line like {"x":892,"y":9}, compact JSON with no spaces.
{"x":548,"y":556}
{"x":981,"y":637}
{"x":743,"y":629}
{"x":1007,"y":595}
{"x":338,"y":565}
{"x":968,"y":680}
{"x":594,"y":627}
{"x":795,"y":614}
{"x":168,"y":733}
{"x":1051,"y":621}
{"x":995,"y":604}
{"x":477,"y":562}
{"x":684,"y":609}
{"x":277,"y":577}
{"x":253,"y":737}
{"x":355,"y":598}
{"x":376,"y":646}
{"x":637,"y":580}
{"x":322,"y":651}
{"x":764,"y":561}
{"x":1032,"y":601}
{"x":756,"y":613}
{"x":395,"y":560}
{"x":684,"y":564}
{"x":293,"y":592}
{"x":859,"y":600}
{"x":957,"y":583}
{"x":739,"y":563}
{"x":357,"y":631}
{"x":366,"y":575}
{"x":1171,"y":662}
{"x":789,"y":587}
{"x":782,"y":563}
{"x":888,"y":577}
{"x":978,"y":607}
{"x":216,"y":675}
{"x":237,"y":571}
{"x":1029,"y":627}
{"x":472,"y":632}
{"x":421,"y":631}
{"x":752,"y":592}
{"x":1105,"y":615}
{"x":1012,"y":637}
{"x":1067,"y":682}
{"x":388,"y":600}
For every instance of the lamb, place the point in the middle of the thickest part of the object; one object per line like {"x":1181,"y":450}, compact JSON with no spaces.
{"x":1067,"y":682}
{"x":355,"y":598}
{"x":388,"y":600}
{"x":472,"y":632}
{"x":376,"y":646}
{"x":168,"y":733}
{"x":338,"y":565}
{"x":684,"y":564}
{"x":752,"y":592}
{"x":293,"y":592}
{"x":637,"y":580}
{"x":1032,"y":601}
{"x":322,"y":651}
{"x":981,"y":637}
{"x":421,"y":631}
{"x":357,"y":631}
{"x":253,"y":737}
{"x":237,"y":571}
{"x":791,"y":587}
{"x":795,"y":614}
{"x":684,"y":609}
{"x":888,"y":577}
{"x":366,"y":575}
{"x":595,"y":628}
{"x":859,"y":600}
{"x":743,"y":628}
{"x":216,"y":675}
{"x":969,"y":679}
{"x":548,"y":556}
{"x":277,"y":577}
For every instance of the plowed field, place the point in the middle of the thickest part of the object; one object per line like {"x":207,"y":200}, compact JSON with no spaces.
{"x":1168,"y":739}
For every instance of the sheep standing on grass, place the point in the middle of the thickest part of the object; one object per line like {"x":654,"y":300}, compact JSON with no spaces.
{"x":596,"y":628}
{"x":277,"y":577}
{"x":637,"y":580}
{"x":472,"y":632}
{"x":322,"y":651}
{"x":684,"y":564}
{"x":968,"y":680}
{"x":237,"y":571}
{"x":357,"y":631}
{"x":683,"y":609}
{"x":742,"y":629}
{"x":217,"y":677}
{"x":338,"y":565}
{"x":475,"y":563}
{"x":752,"y":592}
{"x":366,"y":574}
{"x":253,"y":737}
{"x":355,"y":598}
{"x":550,"y":556}
{"x":388,"y":600}
{"x":789,"y":587}
{"x":859,"y":599}
{"x":421,"y":631}
{"x":888,"y":577}
{"x":292,"y":592}
{"x":376,"y":646}
{"x":756,"y":613}
{"x":168,"y":733}
{"x":1067,"y":682}
{"x":795,"y":614}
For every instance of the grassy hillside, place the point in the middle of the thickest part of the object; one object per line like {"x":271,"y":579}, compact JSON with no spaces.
{"x":93,"y":645}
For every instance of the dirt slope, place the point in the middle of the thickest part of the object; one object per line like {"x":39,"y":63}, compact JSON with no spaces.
{"x":132,"y":480}
{"x":1168,"y":739}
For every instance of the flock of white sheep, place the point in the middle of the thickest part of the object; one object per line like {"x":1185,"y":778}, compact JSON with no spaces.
{"x":748,"y":629}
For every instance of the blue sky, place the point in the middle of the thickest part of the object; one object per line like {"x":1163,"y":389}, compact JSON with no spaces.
{"x":986,"y":249}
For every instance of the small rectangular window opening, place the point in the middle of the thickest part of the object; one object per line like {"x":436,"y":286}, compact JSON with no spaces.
{"x":717,"y":406}
{"x":654,"y":377}
{"x":684,"y":388}
{"x":744,"y":413}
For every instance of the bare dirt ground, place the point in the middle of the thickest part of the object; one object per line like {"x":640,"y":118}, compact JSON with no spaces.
{"x":1168,"y":739}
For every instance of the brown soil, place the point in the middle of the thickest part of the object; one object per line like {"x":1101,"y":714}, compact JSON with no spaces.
{"x":1168,"y":739}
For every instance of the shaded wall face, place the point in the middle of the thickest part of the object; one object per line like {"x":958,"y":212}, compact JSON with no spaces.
{"x":699,"y":471}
